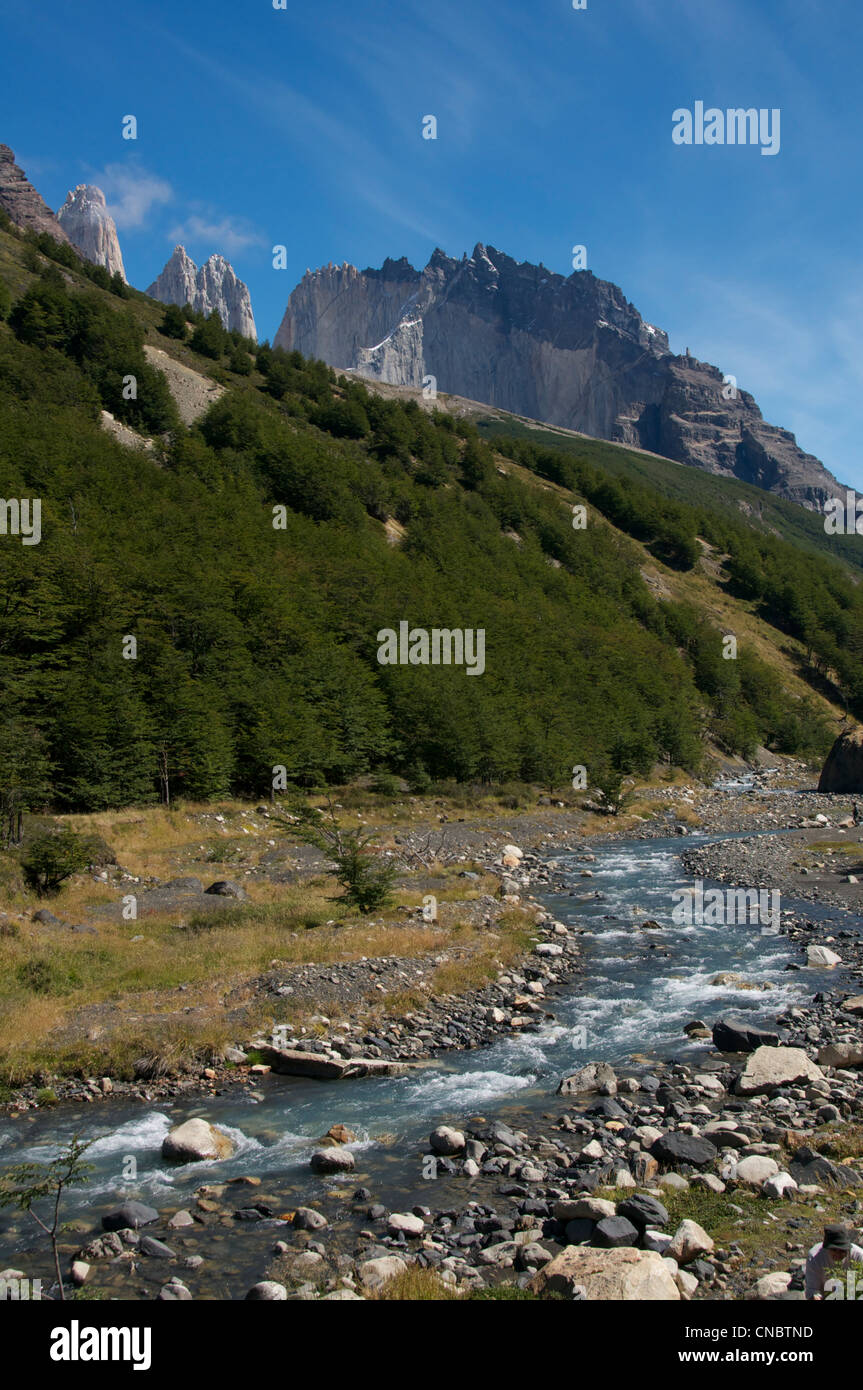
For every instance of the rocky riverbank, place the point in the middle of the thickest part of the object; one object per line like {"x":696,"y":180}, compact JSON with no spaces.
{"x":819,"y":864}
{"x":708,"y":1178}
{"x":616,"y":1169}
{"x":346,"y":994}
{"x":683,"y":1166}
{"x":518,"y":1000}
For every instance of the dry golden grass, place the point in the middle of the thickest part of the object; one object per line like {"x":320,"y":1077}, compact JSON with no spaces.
{"x":398,"y":1002}
{"x":74,"y":1001}
{"x":491,"y":952}
{"x":414,"y":1285}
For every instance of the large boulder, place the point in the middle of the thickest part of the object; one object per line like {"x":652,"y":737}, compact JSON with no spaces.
{"x":643,"y":1210}
{"x":841,"y":1055}
{"x":447,"y":1141}
{"x":608,"y":1276}
{"x":674,"y":1148}
{"x":755,"y":1170}
{"x":336,"y":1160}
{"x":225,"y":888}
{"x":307,"y":1219}
{"x":690,"y":1241}
{"x":736,"y":1035}
{"x":129,"y":1216}
{"x":292,"y":1061}
{"x":779,"y":1185}
{"x":267,"y":1291}
{"x":822,"y":957}
{"x":615,"y":1231}
{"x":405,"y":1223}
{"x":583,"y":1209}
{"x":843,"y":770}
{"x":155,"y":1249}
{"x":769,"y":1068}
{"x":810,"y":1167}
{"x":591,"y":1078}
{"x":196,"y":1140}
{"x":337,"y":1134}
{"x":769,"y":1286}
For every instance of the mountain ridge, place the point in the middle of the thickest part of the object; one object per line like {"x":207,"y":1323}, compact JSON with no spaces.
{"x":22,"y":202}
{"x":295,"y":489}
{"x":570,"y":351}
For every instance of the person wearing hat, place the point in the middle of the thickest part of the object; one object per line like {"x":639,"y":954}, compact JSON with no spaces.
{"x":836,"y":1251}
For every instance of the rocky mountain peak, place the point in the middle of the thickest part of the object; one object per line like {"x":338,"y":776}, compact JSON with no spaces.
{"x":85,"y":218}
{"x":568,"y":350}
{"x":213,"y":287}
{"x":20,"y":201}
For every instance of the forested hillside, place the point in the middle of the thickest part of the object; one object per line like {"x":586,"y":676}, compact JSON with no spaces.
{"x":255,"y":555}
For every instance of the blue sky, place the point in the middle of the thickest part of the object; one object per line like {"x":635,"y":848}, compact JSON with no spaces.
{"x":303,"y":126}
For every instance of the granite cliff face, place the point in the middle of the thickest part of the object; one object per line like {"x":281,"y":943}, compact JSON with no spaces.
{"x":214,"y":286}
{"x":570,"y":351}
{"x":85,"y":219}
{"x":21,"y":202}
{"x":178,"y":282}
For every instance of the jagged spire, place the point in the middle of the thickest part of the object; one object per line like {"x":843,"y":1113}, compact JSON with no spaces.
{"x":84,"y":217}
{"x":215,"y":287}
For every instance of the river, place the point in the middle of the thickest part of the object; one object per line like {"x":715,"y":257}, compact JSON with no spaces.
{"x":633,"y":996}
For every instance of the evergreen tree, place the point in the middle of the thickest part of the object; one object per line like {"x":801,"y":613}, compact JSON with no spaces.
{"x":210,"y":338}
{"x":173,"y":323}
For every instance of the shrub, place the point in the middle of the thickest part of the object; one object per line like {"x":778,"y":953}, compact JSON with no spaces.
{"x":240,"y":362}
{"x":387,"y":784}
{"x":210,"y":338}
{"x":366,"y":879}
{"x":42,"y":975}
{"x":613,"y":796}
{"x":54,"y":857}
{"x":173,"y":323}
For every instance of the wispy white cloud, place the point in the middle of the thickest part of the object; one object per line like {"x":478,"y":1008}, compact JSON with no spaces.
{"x":457,"y":60}
{"x":353,"y":159}
{"x":131,"y":193}
{"x":228,"y":234}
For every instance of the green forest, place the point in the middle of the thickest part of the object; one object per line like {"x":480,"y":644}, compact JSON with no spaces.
{"x":255,"y":555}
